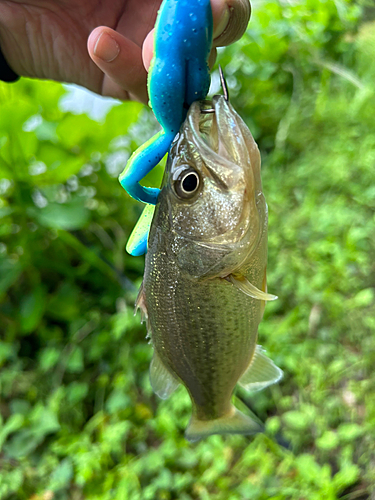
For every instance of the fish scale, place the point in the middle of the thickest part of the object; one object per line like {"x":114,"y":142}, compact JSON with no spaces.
{"x":190,"y":324}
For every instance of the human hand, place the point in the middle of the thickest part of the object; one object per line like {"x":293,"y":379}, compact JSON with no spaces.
{"x":47,"y":39}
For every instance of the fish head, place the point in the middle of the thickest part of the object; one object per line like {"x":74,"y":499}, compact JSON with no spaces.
{"x":212,"y":192}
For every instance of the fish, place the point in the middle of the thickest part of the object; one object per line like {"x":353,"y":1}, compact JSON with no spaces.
{"x":204,"y":286}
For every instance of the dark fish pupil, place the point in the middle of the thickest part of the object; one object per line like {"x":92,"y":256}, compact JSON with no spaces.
{"x":190,"y":183}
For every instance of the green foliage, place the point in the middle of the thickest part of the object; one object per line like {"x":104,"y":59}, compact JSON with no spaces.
{"x":78,"y":419}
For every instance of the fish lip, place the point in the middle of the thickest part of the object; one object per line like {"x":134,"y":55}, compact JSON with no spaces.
{"x":193,"y":118}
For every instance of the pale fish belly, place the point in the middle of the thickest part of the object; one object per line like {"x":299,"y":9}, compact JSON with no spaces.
{"x":204,"y":332}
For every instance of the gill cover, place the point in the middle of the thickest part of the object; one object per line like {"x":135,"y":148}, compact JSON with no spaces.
{"x":221,"y":225}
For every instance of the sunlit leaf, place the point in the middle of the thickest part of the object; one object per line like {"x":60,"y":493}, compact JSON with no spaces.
{"x":71,"y":215}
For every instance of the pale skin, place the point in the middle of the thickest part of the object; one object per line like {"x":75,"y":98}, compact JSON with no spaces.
{"x":103,"y":45}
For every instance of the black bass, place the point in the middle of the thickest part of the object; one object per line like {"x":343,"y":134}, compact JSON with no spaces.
{"x":204,"y":285}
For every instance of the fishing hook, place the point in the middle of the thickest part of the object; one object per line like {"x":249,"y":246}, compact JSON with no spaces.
{"x":224,"y":86}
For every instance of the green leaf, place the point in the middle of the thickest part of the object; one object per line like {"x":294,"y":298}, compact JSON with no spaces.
{"x":4,"y":211}
{"x":42,"y":422}
{"x":328,"y":441}
{"x":364,"y":298}
{"x":308,"y":467}
{"x":7,"y":351}
{"x":350,"y":432}
{"x":32,"y":309}
{"x":117,"y":401}
{"x":60,"y":166}
{"x":64,"y":304}
{"x":75,"y":362}
{"x":69,"y":216}
{"x":347,"y":476}
{"x":79,"y":130}
{"x":13,"y":115}
{"x":62,"y":475}
{"x":13,"y":423}
{"x":49,"y":358}
{"x":22,"y":444}
{"x":77,"y":391}
{"x":296,"y":420}
{"x":9,"y":273}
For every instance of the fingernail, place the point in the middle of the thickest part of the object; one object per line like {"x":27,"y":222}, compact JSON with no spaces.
{"x":239,"y":15}
{"x":223,"y":22}
{"x":106,"y":48}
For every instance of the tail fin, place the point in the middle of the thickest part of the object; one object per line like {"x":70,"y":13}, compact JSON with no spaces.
{"x":233,"y":423}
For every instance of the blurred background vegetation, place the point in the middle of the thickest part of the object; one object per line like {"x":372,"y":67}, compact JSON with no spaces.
{"x":78,"y":419}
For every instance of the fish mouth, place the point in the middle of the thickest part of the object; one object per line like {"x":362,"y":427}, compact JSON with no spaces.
{"x":225,"y":144}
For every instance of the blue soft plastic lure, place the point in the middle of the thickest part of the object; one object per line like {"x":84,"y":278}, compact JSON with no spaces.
{"x":178,"y":76}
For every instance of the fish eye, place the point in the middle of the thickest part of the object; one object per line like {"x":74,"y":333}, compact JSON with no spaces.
{"x":187,"y":184}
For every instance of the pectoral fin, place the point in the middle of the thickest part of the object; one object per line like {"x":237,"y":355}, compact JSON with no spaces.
{"x":140,"y":304}
{"x":162,"y":381}
{"x":137,"y":242}
{"x":264,"y":289}
{"x":261,"y":372}
{"x":246,"y":287}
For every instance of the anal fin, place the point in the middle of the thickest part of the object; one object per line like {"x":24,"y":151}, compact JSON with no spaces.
{"x":162,"y":381}
{"x":261,"y":372}
{"x":235,"y":422}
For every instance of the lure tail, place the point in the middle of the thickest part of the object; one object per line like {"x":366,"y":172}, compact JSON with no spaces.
{"x":141,"y":163}
{"x":235,"y":422}
{"x":137,"y":242}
